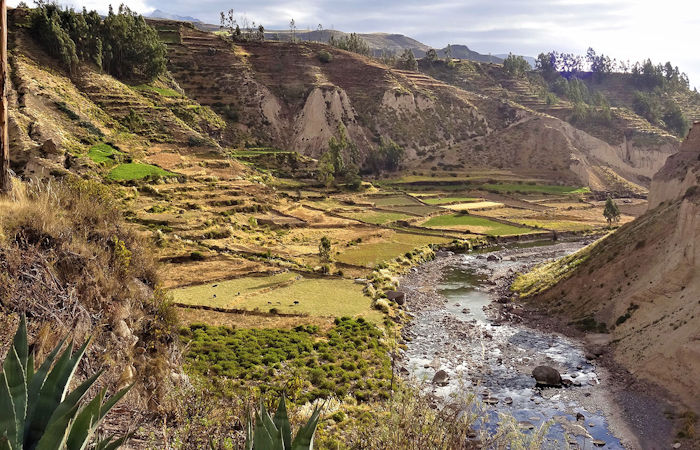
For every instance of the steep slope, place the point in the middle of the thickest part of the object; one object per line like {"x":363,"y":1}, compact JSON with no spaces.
{"x":281,"y":95}
{"x":634,"y":146}
{"x":642,"y":283}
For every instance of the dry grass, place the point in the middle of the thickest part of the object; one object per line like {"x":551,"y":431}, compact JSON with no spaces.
{"x":68,"y":260}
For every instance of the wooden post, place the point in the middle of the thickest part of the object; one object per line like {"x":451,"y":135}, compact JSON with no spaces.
{"x":5,"y":182}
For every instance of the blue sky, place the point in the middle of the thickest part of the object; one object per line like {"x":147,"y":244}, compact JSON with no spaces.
{"x":624,"y":29}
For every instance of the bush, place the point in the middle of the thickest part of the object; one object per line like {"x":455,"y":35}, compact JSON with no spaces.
{"x":325,"y":56}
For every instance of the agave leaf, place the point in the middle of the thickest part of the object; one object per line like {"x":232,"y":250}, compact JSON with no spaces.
{"x":249,"y":433}
{"x":17,"y":385}
{"x":35,"y":385}
{"x":109,"y":444}
{"x":5,"y":443}
{"x":30,"y":368}
{"x":85,"y":423}
{"x":109,"y":404}
{"x":8,"y":421}
{"x":281,"y":421}
{"x":262,"y":440}
{"x":73,"y":399}
{"x":52,"y":393}
{"x":20,"y":341}
{"x":304,"y":440}
{"x":270,"y":426}
{"x":56,"y":433}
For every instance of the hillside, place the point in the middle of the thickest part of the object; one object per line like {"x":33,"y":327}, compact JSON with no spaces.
{"x":641,"y":283}
{"x":288,"y":98}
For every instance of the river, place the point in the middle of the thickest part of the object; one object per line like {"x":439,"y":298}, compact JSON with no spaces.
{"x":458,"y":327}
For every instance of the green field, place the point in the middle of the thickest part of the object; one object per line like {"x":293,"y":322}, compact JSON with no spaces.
{"x":448,"y":200}
{"x":534,"y":188}
{"x":479,"y":224}
{"x":377,"y":217}
{"x":136,"y":171}
{"x":393,"y":200}
{"x":225,"y":291}
{"x":556,"y":225}
{"x":371,"y":254}
{"x":103,"y":153}
{"x":165,"y":92}
{"x":415,"y":210}
{"x":325,"y":297}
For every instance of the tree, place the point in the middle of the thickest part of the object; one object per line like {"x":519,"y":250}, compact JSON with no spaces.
{"x":352,"y":43}
{"x":5,"y":182}
{"x":546,"y":65}
{"x":515,"y":65}
{"x":407,"y":61}
{"x":386,"y":157}
{"x":324,"y":248}
{"x":611,"y":212}
{"x":325,"y":170}
{"x":675,"y":120}
{"x":431,"y":55}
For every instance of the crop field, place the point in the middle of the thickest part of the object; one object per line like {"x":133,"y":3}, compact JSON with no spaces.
{"x":136,"y":171}
{"x":415,"y":210}
{"x":474,"y":224}
{"x":285,"y":293}
{"x":473,"y":206}
{"x":534,"y":188}
{"x":165,"y":92}
{"x":103,"y":153}
{"x":449,"y":200}
{"x":372,"y":253}
{"x":393,"y":200}
{"x":377,"y":217}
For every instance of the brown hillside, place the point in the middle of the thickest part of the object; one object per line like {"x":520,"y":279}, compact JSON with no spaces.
{"x":642,"y":282}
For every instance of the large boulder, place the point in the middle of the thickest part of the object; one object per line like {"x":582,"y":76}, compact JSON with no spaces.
{"x":546,"y":376}
{"x":396,"y":296}
{"x":441,"y":378}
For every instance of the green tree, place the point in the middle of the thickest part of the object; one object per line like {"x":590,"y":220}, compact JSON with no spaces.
{"x":352,"y":43}
{"x":387,"y":157}
{"x":324,"y":248}
{"x":325,"y":170}
{"x":611,"y":212}
{"x":675,"y":120}
{"x":515,"y":65}
{"x":431,"y":56}
{"x":407,"y":60}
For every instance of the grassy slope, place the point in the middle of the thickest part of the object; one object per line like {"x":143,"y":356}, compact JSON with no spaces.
{"x":479,"y":224}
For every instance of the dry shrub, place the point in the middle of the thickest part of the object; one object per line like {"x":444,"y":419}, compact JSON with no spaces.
{"x":75,"y":268}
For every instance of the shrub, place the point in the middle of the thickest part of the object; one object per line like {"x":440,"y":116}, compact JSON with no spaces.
{"x":325,"y":56}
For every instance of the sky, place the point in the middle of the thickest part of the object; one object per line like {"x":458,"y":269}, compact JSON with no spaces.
{"x":623,"y":29}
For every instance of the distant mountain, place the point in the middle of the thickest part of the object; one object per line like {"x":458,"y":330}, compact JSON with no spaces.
{"x":530,"y":60}
{"x":463,"y":52}
{"x":158,"y":14}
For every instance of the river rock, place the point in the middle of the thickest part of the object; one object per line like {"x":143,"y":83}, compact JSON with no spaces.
{"x":546,"y":376}
{"x":396,"y":296}
{"x":493,"y":258}
{"x":441,"y":378}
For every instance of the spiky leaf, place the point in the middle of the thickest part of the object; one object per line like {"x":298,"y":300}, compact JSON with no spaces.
{"x":304,"y":440}
{"x":281,"y":421}
{"x":17,"y":385}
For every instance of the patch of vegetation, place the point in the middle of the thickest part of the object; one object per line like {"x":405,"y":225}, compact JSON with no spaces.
{"x":589,"y":324}
{"x":374,"y":253}
{"x":448,"y":200}
{"x":165,"y":92}
{"x":546,"y":275}
{"x":485,"y":226}
{"x":137,"y":171}
{"x":350,"y":359}
{"x":538,"y":188}
{"x":378,"y":217}
{"x":103,"y":153}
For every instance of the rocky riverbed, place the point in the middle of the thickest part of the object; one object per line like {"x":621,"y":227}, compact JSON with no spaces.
{"x":462,"y":338}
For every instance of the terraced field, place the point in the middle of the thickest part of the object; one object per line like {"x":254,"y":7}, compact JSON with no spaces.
{"x":468,"y":223}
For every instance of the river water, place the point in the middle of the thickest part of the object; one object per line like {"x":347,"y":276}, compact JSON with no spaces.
{"x":456,"y":327}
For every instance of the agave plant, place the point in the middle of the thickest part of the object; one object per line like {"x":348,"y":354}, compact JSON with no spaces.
{"x":36,"y":409}
{"x":275,"y":433}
